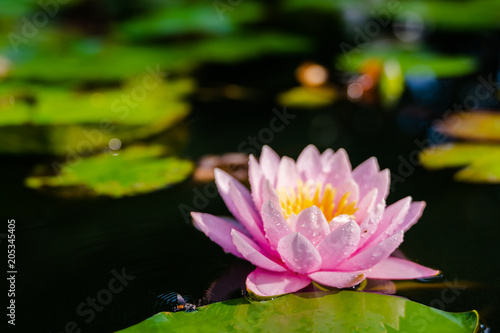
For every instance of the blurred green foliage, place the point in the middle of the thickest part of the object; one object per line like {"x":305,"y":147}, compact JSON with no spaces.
{"x":116,"y":174}
{"x":440,"y":65}
{"x":482,"y":161}
{"x":48,"y":119}
{"x":308,"y":97}
{"x":480,"y":156}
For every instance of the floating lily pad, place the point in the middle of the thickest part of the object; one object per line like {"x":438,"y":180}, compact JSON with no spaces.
{"x":305,"y":97}
{"x":65,"y":58}
{"x":472,"y":126}
{"x":391,"y":82}
{"x":482,"y":161}
{"x":244,"y":46}
{"x":16,"y":8}
{"x":100,"y":60}
{"x":346,"y":311}
{"x":319,"y":5}
{"x":131,"y":171}
{"x":139,"y":102}
{"x":470,"y":15}
{"x":212,"y":18}
{"x":439,"y":64}
{"x":55,"y":120}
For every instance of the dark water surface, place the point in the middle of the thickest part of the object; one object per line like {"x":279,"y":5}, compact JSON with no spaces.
{"x":70,"y":250}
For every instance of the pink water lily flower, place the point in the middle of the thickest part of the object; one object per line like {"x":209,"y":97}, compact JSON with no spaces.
{"x":315,"y":219}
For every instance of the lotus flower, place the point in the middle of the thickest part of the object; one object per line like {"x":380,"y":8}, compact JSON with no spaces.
{"x":315,"y":219}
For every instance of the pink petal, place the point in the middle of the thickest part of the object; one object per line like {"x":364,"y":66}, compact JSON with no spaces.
{"x":368,"y":258}
{"x":311,"y":223}
{"x":254,"y":253}
{"x":309,"y":163}
{"x":248,"y":216}
{"x":339,"y":221}
{"x":367,"y":176}
{"x":399,"y":269}
{"x":339,"y":245}
{"x":369,"y":224}
{"x":218,"y":230}
{"x":270,"y":194}
{"x":269,"y":163}
{"x":414,"y":213}
{"x":222,"y":180}
{"x":287,"y":174}
{"x":275,"y":225}
{"x":337,"y":170}
{"x":345,"y":187}
{"x":337,"y":279}
{"x":266,"y":283}
{"x":299,"y":254}
{"x":256,"y":179}
{"x":391,"y":221}
{"x":325,"y":157}
{"x":366,"y":205}
{"x":240,"y":204}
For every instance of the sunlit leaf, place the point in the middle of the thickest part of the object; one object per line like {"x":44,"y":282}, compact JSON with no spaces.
{"x":90,"y":59}
{"x":346,"y":311}
{"x":100,"y":60}
{"x":240,"y":47}
{"x":482,"y":160}
{"x":319,"y":5}
{"x":193,"y":18}
{"x":443,"y":14}
{"x":16,"y":8}
{"x":306,"y":97}
{"x":56,"y":119}
{"x":439,"y":64}
{"x":139,"y":102}
{"x":130,"y":171}
{"x":391,"y":82}
{"x":473,"y":126}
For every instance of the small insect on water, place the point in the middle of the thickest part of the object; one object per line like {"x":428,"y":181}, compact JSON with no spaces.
{"x":177,"y":302}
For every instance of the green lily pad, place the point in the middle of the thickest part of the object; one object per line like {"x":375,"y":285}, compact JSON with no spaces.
{"x":323,"y":6}
{"x":90,"y":59}
{"x":346,"y":311}
{"x":116,"y":173}
{"x":443,"y":14}
{"x":244,"y":46}
{"x":99,"y":60}
{"x":14,"y":9}
{"x":482,"y":160}
{"x":305,"y":97}
{"x":54,"y":120}
{"x":439,"y":64}
{"x":484,"y":126}
{"x":207,"y":18}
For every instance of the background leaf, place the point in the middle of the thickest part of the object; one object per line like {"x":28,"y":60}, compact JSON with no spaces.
{"x":472,"y":126}
{"x":483,"y":160}
{"x":130,"y":171}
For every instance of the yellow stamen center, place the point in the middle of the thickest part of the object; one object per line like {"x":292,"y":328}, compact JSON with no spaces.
{"x":305,"y":195}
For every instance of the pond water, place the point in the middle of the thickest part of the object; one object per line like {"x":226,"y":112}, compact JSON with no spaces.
{"x":68,"y":249}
